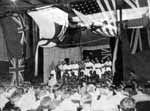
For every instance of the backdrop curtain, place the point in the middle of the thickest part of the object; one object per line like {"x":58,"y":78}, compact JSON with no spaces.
{"x":55,"y":54}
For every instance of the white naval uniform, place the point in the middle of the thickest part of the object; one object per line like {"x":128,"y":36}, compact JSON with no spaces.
{"x":67,"y":68}
{"x":97,"y":68}
{"x":108,"y":65}
{"x":75,"y":68}
{"x":88,"y":67}
{"x":53,"y":80}
{"x":103,"y":68}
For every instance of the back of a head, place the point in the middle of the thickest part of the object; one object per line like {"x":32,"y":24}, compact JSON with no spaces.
{"x":127,"y":104}
{"x":45,"y":102}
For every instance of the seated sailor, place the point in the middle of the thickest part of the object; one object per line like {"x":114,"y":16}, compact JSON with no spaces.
{"x":75,"y":68}
{"x":98,"y":67}
{"x":88,"y":67}
{"x":108,"y":64}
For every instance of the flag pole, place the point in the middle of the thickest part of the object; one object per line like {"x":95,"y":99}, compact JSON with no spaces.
{"x":116,"y":48}
{"x":116,"y":44}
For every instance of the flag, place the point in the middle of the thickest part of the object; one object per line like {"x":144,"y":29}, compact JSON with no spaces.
{"x":16,"y":69}
{"x":46,"y":19}
{"x":103,"y":14}
{"x":4,"y":64}
{"x":105,"y":53}
{"x":14,"y":35}
{"x":3,"y":49}
{"x":107,"y":24}
{"x":136,"y":54}
{"x":139,"y":39}
{"x":133,"y":55}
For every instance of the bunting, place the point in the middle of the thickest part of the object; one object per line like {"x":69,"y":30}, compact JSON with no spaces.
{"x":105,"y":15}
{"x":106,"y":24}
{"x":139,"y":39}
{"x":135,"y":48}
{"x":52,"y":23}
{"x":138,"y":35}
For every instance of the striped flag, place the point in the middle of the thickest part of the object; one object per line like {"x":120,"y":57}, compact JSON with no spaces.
{"x":139,"y":39}
{"x":105,"y":53}
{"x":103,"y":14}
{"x":135,"y":48}
{"x":136,"y":53}
{"x":107,"y":25}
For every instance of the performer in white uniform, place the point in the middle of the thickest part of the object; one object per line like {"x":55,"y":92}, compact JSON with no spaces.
{"x":102,"y":66}
{"x":88,"y":67}
{"x":108,"y":64}
{"x":97,"y":67}
{"x":75,"y":68}
{"x":67,"y":67}
{"x":52,"y":79}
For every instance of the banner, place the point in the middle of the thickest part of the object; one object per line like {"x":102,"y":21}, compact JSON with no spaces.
{"x":13,"y":35}
{"x":3,"y":49}
{"x":136,"y":54}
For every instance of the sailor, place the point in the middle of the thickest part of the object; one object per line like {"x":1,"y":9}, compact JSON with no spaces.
{"x":58,"y":71}
{"x":75,"y":67}
{"x":67,"y":68}
{"x":98,"y":67}
{"x":102,"y":66}
{"x":108,"y":64}
{"x":60,"y":66}
{"x":52,"y":78}
{"x":88,"y":66}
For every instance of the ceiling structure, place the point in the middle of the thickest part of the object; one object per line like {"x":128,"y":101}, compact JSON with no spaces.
{"x":7,"y":7}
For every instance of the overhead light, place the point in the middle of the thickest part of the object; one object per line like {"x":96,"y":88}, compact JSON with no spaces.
{"x":13,"y":0}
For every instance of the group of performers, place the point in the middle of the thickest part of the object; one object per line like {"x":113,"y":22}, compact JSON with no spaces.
{"x":86,"y":66}
{"x":86,"y":69}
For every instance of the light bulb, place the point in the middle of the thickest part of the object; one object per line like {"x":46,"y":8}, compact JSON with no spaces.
{"x":13,"y":0}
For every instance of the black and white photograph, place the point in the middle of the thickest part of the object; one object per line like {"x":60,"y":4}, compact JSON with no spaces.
{"x":74,"y":55}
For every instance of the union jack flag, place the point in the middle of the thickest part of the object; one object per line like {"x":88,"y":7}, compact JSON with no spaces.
{"x":22,"y":27}
{"x":139,"y":37}
{"x":16,"y":68}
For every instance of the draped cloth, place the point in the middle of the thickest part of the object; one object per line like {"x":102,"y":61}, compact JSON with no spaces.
{"x":47,"y":18}
{"x":3,"y":49}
